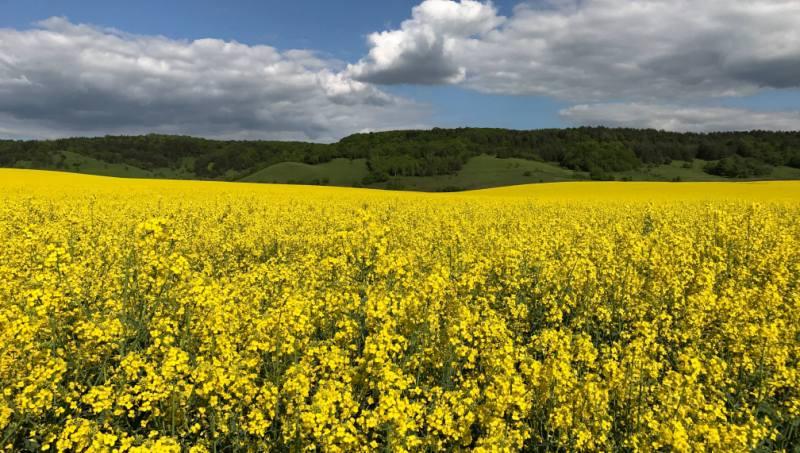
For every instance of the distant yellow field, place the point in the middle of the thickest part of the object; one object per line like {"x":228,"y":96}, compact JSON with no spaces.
{"x":653,"y":191}
{"x":151,"y":315}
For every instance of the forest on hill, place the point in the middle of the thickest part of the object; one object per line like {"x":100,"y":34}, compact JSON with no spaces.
{"x":587,"y":153}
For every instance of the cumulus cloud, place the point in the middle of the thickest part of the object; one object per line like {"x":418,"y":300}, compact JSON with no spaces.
{"x":594,"y":50}
{"x":679,"y":118}
{"x":62,"y":78}
{"x":424,"y":49}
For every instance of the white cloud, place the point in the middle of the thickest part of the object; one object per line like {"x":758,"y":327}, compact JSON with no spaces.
{"x":590,"y":50}
{"x":423,"y":50}
{"x":68,"y":79}
{"x":680,"y":118}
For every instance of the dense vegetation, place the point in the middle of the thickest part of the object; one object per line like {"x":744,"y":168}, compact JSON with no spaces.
{"x":599,"y":152}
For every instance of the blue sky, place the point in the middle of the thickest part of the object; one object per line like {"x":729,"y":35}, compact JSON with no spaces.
{"x":550,"y":63}
{"x":330,"y":26}
{"x":336,"y":28}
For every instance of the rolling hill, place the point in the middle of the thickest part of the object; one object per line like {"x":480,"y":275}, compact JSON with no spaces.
{"x":430,"y":160}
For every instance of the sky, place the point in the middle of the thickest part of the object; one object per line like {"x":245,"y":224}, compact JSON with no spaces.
{"x":320,"y":70}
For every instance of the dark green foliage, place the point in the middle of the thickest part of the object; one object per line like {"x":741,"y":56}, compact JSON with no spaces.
{"x":395,"y":186}
{"x":598,"y":157}
{"x":450,"y":189}
{"x":598,"y":151}
{"x":597,"y":174}
{"x":374,"y":178}
{"x":738,"y":167}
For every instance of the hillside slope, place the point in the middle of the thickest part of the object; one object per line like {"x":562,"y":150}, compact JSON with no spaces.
{"x":432,"y":160}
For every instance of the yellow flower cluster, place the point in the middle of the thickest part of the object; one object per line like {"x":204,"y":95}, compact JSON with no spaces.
{"x":190,"y":316}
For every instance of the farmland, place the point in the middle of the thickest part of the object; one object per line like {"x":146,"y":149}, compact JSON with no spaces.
{"x":436,"y":160}
{"x":167,"y":315}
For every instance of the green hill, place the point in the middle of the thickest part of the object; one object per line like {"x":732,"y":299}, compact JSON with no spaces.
{"x":430,"y":160}
{"x":337,"y":172}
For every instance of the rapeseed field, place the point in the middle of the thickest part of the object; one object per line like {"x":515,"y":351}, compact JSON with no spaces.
{"x":188,"y":316}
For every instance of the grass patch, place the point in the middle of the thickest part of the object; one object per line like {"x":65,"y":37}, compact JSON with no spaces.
{"x":488,"y":171}
{"x":79,"y":163}
{"x":338,"y":172}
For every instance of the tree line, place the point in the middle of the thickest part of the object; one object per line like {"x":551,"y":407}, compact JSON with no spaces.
{"x":596,"y":150}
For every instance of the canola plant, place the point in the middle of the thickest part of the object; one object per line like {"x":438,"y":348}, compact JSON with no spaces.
{"x":189,"y":316}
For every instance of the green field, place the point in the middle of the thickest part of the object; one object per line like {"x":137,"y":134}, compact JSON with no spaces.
{"x":680,"y":170}
{"x":487,"y":171}
{"x":78,"y":163}
{"x":338,"y":172}
{"x":481,"y":172}
{"x":676,"y":171}
{"x":478,"y":172}
{"x":427,"y":160}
